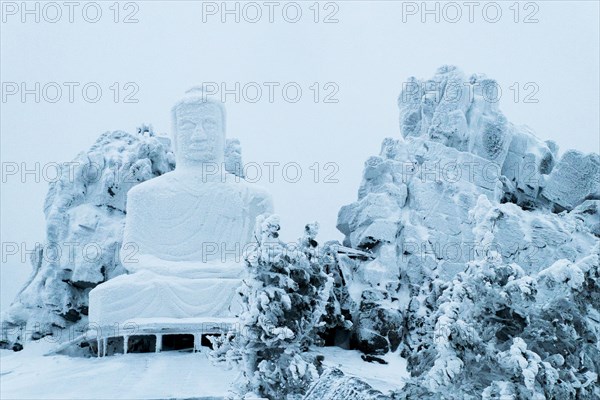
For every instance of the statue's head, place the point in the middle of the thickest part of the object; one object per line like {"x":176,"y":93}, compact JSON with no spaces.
{"x":198,"y":130}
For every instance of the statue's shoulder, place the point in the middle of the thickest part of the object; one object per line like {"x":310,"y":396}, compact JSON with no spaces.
{"x":154,"y":185}
{"x":257,"y":195}
{"x":249,"y":187}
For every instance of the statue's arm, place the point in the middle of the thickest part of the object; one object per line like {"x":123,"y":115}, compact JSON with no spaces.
{"x":260,"y":203}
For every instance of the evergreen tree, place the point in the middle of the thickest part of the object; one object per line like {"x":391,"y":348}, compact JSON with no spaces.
{"x":497,"y":332}
{"x":285,"y":297}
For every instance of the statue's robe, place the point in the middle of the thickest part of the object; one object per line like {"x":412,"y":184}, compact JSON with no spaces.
{"x":183,"y":243}
{"x":181,"y":219}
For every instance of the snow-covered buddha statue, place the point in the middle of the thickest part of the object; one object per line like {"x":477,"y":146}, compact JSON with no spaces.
{"x":198,"y":214}
{"x":185,"y":231}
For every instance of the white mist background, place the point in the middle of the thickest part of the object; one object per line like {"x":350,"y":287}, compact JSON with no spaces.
{"x":369,"y":53}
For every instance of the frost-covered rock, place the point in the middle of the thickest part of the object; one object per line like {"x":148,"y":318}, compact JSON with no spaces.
{"x":575,"y":178}
{"x":456,"y":111}
{"x":533,"y":239}
{"x":562,"y":272}
{"x":379,"y":325}
{"x":527,"y":161}
{"x":370,"y":221}
{"x":85,"y":213}
{"x":334,"y":385}
{"x":588,"y":213}
{"x":233,"y":157}
{"x":461,"y":184}
{"x":463,"y":113}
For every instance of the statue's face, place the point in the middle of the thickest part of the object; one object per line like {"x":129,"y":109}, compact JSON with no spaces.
{"x":200,"y":135}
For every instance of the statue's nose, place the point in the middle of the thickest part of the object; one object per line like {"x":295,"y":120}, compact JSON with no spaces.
{"x":199,"y":134}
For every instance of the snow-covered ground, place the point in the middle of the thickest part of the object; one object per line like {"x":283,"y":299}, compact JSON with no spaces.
{"x":383,"y":377}
{"x":29,"y":374}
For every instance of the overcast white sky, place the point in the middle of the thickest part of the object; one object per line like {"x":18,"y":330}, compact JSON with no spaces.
{"x":367,"y":55}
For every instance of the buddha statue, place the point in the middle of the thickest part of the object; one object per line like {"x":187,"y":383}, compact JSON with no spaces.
{"x":198,"y":213}
{"x":185,"y":231}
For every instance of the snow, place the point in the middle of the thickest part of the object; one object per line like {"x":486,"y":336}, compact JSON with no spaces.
{"x":565,"y":272}
{"x":383,"y":377}
{"x":170,"y":375}
{"x":149,"y":295}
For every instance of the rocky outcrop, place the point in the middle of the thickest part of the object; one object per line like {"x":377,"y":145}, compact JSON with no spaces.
{"x":85,"y":213}
{"x":463,"y":113}
{"x":588,"y":213}
{"x":575,"y":178}
{"x":460,"y":183}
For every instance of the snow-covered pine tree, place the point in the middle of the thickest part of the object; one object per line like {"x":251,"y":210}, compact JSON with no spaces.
{"x":500,"y":333}
{"x":285,"y":297}
{"x":146,"y":130}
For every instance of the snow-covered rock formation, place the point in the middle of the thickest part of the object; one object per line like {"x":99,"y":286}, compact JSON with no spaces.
{"x":460,"y":185}
{"x":233,"y":158}
{"x":462,"y":112}
{"x":85,"y":213}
